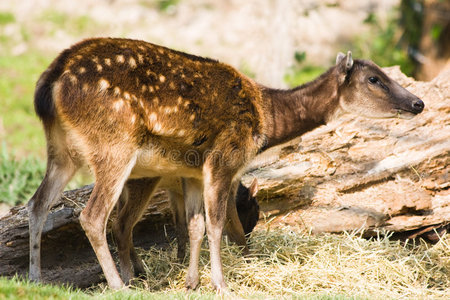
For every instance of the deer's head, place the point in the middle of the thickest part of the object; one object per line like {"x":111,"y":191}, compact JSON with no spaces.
{"x":367,"y":91}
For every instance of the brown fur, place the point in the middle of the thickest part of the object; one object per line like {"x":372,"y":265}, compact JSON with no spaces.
{"x":130,"y":109}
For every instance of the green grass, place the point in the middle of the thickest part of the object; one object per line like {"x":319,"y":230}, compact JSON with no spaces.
{"x":22,"y":130}
{"x":72,"y":24}
{"x":16,"y":288}
{"x":20,"y":289}
{"x":300,"y":75}
{"x":19,"y":179}
{"x":6,"y":18}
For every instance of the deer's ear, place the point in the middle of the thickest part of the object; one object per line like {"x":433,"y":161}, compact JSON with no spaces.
{"x":344,"y":64}
{"x":339,"y":57}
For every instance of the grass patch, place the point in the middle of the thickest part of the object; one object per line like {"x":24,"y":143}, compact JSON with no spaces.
{"x":6,"y":18}
{"x":74,"y":25}
{"x":22,"y":130}
{"x":20,"y":289}
{"x":19,"y":179}
{"x":17,"y":288}
{"x":301,"y":74}
{"x":291,"y":264}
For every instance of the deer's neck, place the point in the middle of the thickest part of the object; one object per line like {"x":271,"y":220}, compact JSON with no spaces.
{"x":301,"y":109}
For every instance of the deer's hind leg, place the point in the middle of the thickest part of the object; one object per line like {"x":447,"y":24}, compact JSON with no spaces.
{"x":193,"y":190}
{"x":111,"y":168}
{"x":135,"y":197}
{"x":60,"y":169}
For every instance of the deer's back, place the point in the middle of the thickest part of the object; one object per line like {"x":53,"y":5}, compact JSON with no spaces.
{"x":135,"y":91}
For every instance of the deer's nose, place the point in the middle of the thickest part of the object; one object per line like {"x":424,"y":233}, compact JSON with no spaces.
{"x":418,"y":106}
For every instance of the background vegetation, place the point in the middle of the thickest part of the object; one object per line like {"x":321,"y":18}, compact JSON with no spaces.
{"x":286,"y":262}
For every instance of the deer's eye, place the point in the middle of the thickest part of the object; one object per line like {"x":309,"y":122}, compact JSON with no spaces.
{"x":373,"y":80}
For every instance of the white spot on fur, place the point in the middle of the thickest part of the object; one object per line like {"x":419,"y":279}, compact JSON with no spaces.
{"x":162,"y":78}
{"x":117,"y":105}
{"x":152,"y":117}
{"x":133,"y":119}
{"x":126,"y":95}
{"x":99,"y":68}
{"x":117,"y":91}
{"x":103,"y":84}
{"x":192,"y":117}
{"x":108,"y":61}
{"x":120,"y":58}
{"x":132,"y":62}
{"x":73,"y":78}
{"x":140,"y":58}
{"x":144,"y":88}
{"x":82,"y":70}
{"x":181,"y":132}
{"x":157,"y":127}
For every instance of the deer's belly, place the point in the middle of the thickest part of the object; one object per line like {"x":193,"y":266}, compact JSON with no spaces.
{"x":152,"y":163}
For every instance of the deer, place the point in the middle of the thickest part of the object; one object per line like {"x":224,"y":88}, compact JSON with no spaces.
{"x":134,"y":199}
{"x":130,"y":109}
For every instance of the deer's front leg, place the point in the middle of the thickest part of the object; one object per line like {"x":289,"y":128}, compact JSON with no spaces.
{"x":216,"y":192}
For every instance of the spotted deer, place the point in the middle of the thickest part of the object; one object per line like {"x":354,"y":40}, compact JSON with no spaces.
{"x":130,"y":109}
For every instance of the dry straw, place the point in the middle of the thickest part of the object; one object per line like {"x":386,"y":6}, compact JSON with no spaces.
{"x":287,"y":262}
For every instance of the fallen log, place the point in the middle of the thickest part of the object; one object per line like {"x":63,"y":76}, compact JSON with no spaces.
{"x":371,"y":175}
{"x":355,"y":174}
{"x":67,"y":256}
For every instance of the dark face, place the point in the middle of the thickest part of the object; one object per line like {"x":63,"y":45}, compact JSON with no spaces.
{"x":247,"y":207}
{"x":371,"y":93}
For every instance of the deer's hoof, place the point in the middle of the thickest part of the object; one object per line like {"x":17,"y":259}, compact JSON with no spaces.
{"x":191,"y":283}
